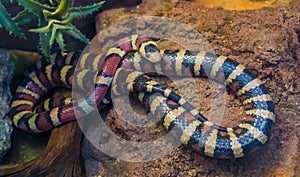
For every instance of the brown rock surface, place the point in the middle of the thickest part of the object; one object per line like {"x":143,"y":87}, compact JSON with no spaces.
{"x":266,"y":41}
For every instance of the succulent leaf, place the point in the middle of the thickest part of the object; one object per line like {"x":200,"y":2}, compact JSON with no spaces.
{"x":8,"y":23}
{"x":75,"y":33}
{"x":61,"y":10}
{"x":24,"y":17}
{"x":57,"y":29}
{"x":44,"y":43}
{"x":86,"y":10}
{"x":44,"y":39}
{"x":60,"y":41}
{"x":35,"y":7}
{"x":54,"y":19}
{"x":62,"y":24}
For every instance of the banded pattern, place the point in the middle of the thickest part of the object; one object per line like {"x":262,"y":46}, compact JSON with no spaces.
{"x":40,"y":81}
{"x":191,"y":127}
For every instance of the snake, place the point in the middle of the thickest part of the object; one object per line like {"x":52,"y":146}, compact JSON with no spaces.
{"x":50,"y":76}
{"x":192,"y":128}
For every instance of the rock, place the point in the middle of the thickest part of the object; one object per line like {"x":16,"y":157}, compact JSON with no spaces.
{"x":267,"y":42}
{"x":6,"y":71}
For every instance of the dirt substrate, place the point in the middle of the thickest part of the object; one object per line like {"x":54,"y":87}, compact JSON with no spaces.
{"x":266,"y":41}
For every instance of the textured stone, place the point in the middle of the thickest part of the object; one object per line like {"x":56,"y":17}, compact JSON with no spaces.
{"x":267,"y":42}
{"x":6,"y":71}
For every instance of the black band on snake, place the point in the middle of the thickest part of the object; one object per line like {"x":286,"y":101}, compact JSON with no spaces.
{"x":193,"y":129}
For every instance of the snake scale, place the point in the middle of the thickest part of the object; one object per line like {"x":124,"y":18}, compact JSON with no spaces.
{"x":123,"y":70}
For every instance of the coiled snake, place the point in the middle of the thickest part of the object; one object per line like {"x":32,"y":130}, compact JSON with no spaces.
{"x":139,"y":55}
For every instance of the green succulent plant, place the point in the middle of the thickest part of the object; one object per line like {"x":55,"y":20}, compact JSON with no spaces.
{"x":54,"y":19}
{"x":8,"y":23}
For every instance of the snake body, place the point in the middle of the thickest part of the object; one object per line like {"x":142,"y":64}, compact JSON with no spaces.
{"x":40,"y":81}
{"x":193,"y":129}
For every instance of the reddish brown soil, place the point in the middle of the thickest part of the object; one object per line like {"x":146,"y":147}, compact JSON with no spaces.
{"x":267,"y":41}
